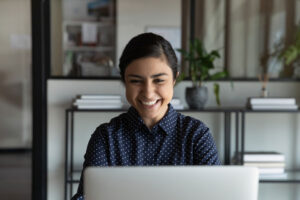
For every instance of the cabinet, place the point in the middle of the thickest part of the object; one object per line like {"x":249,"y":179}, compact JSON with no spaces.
{"x":72,"y":175}
{"x":89,"y":47}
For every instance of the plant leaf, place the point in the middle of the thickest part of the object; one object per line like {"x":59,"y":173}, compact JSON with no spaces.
{"x":180,"y":78}
{"x":218,"y":75}
{"x":217,"y":93}
{"x":290,"y":55}
{"x":215,"y":54}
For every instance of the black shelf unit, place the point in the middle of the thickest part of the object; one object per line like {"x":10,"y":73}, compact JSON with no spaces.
{"x":72,"y":175}
{"x":292,"y":176}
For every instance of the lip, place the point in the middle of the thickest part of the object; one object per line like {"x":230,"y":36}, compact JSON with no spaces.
{"x":149,"y":104}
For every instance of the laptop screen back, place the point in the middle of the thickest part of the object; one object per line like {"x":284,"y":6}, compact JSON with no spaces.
{"x":171,"y":183}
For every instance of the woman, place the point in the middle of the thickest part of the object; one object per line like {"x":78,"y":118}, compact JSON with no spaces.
{"x":151,"y":132}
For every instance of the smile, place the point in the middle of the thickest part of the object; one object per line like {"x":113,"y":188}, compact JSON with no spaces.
{"x":149,"y":103}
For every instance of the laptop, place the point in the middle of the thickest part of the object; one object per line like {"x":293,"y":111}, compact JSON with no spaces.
{"x":171,"y":183}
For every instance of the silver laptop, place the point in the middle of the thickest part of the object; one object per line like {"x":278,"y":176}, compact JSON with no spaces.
{"x":171,"y":183}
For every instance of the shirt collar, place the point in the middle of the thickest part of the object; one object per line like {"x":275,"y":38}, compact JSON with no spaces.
{"x":167,"y":123}
{"x":134,"y":118}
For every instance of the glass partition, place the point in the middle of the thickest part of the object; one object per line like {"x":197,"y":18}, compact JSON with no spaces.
{"x":251,"y":36}
{"x":88,"y":36}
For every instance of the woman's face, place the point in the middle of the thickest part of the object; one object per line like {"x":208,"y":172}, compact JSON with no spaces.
{"x":149,"y":88}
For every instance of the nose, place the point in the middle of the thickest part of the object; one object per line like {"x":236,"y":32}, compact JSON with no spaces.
{"x":148,"y":90}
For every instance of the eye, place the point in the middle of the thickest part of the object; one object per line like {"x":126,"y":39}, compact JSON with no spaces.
{"x":135,"y":81}
{"x":158,"y":80}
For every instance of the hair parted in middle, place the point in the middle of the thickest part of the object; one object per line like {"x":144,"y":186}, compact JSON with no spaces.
{"x":148,"y":45}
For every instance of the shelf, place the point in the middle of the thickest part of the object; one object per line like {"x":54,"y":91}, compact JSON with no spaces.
{"x":292,"y":177}
{"x":76,"y":177}
{"x":270,"y":111}
{"x":105,"y":24}
{"x":88,"y":48}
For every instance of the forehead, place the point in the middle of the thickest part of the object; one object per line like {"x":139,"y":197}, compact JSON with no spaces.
{"x":148,"y":66}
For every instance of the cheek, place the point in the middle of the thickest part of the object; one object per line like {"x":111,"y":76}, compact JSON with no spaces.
{"x":167,"y":91}
{"x":131,"y":92}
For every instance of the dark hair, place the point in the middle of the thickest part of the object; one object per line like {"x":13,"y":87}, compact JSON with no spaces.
{"x":148,"y":45}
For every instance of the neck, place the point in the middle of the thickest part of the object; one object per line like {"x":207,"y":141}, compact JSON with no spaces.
{"x":150,"y":122}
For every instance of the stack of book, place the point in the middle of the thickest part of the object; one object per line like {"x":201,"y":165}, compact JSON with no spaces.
{"x":98,"y":102}
{"x":270,"y":164}
{"x":176,"y":103}
{"x":272,"y":103}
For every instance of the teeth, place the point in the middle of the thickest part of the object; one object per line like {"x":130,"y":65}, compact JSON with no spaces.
{"x":149,"y":103}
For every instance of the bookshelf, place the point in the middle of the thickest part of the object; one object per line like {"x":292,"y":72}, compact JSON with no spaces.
{"x":88,"y":46}
{"x":293,"y":176}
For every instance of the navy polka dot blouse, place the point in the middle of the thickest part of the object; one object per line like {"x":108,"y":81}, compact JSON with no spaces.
{"x":126,"y":141}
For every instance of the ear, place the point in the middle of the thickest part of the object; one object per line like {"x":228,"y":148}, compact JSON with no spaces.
{"x":177,"y":74}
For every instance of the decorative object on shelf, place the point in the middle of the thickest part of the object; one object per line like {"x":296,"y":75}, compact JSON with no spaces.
{"x":256,"y":103}
{"x":264,"y":80}
{"x":200,"y":64}
{"x":96,"y":66}
{"x":176,"y":103}
{"x":196,"y":97}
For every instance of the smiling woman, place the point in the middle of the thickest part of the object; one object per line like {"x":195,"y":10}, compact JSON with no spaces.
{"x":149,"y":75}
{"x":151,"y":133}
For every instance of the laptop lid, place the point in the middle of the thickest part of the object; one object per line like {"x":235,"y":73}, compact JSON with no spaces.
{"x":171,"y":183}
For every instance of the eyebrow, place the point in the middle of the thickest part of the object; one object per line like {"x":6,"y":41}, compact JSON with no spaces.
{"x":152,"y":76}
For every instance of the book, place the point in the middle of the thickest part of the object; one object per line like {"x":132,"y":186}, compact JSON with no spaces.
{"x":273,"y":107}
{"x":279,"y":100}
{"x":117,"y":106}
{"x":261,"y":156}
{"x":97,"y":101}
{"x":276,"y":170}
{"x":265,"y":164}
{"x":282,"y":176}
{"x":98,"y":104}
{"x":98,"y":96}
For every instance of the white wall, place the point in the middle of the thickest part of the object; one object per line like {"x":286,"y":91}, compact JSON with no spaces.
{"x":280,"y":132}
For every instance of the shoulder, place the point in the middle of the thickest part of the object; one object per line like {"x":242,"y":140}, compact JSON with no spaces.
{"x":114,"y":125}
{"x":192,"y":124}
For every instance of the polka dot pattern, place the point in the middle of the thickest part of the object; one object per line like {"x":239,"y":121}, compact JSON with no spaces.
{"x":126,"y":141}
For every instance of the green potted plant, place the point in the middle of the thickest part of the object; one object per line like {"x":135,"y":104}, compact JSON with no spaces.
{"x":200,"y":64}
